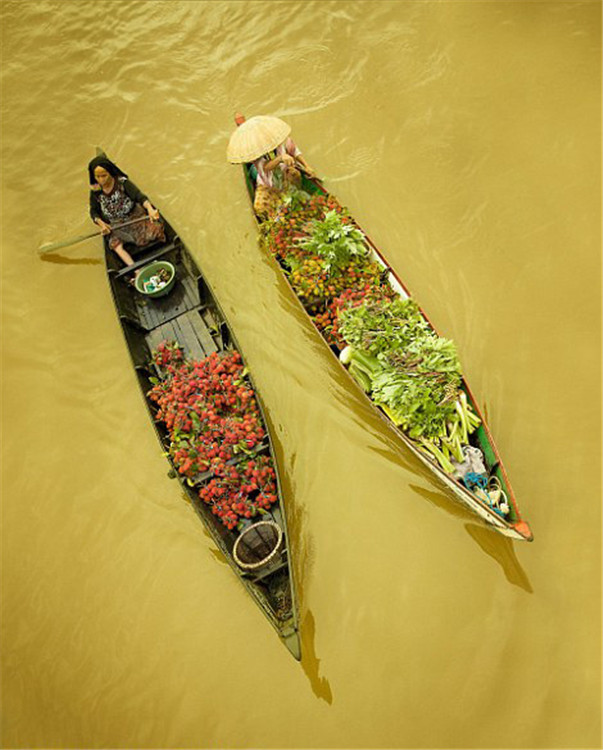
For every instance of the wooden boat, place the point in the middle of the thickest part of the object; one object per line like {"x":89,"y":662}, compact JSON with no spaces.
{"x":191,"y":316}
{"x":511,"y":524}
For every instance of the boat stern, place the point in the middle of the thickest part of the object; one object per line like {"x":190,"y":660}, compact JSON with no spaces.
{"x":524,"y":530}
{"x":292,"y":642}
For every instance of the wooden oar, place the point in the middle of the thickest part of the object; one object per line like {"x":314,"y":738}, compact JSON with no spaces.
{"x":49,"y":246}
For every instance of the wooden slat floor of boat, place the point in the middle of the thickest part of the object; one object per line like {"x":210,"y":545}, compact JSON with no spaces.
{"x":190,"y":331}
{"x":183,"y":297}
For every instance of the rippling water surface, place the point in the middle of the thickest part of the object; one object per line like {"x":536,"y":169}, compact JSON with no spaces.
{"x":464,"y":136}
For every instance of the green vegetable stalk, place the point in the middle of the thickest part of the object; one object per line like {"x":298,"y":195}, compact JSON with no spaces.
{"x":335,"y":241}
{"x":413,"y":374}
{"x":360,"y":377}
{"x":432,"y":449}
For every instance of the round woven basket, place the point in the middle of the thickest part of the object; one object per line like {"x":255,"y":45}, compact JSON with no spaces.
{"x":258,"y":545}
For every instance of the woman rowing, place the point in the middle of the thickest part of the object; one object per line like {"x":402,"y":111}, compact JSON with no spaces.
{"x":116,"y":200}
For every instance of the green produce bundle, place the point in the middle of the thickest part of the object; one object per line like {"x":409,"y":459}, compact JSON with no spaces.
{"x":411,"y":372}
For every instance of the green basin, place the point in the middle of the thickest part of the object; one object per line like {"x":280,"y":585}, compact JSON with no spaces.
{"x":144,"y":284}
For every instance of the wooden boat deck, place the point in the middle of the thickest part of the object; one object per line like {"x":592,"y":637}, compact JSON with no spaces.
{"x":184,"y":315}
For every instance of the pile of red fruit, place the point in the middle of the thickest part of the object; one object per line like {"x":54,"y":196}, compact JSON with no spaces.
{"x":214,"y":424}
{"x":292,"y":222}
{"x":323,"y":295}
{"x":239,"y":490}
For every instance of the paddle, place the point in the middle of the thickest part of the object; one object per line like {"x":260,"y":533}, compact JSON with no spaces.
{"x":49,"y":246}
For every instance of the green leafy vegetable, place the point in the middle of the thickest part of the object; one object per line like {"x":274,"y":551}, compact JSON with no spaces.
{"x":377,"y":327}
{"x":415,"y":375}
{"x":420,"y":404}
{"x":335,"y":241}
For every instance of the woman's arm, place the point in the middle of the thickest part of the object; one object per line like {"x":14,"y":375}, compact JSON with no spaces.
{"x":289,"y":154}
{"x":307,"y":168}
{"x":133,"y":192}
{"x":139,"y":197}
{"x":151,"y":210}
{"x":293,"y":151}
{"x":95,"y":214}
{"x":290,"y":161}
{"x":273,"y":163}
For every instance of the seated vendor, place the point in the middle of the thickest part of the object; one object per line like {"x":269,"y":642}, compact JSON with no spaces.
{"x":274,"y":172}
{"x":116,"y":200}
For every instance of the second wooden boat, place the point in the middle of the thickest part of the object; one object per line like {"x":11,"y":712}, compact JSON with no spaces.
{"x":504,"y":517}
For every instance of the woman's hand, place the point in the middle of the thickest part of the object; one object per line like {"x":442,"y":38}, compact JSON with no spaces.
{"x":288,"y":160}
{"x":153,"y":213}
{"x":305,"y":166}
{"x":105,"y":228}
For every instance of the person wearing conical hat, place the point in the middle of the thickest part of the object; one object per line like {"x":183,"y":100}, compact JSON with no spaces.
{"x":274,"y":160}
{"x":274,"y":172}
{"x":287,"y":157}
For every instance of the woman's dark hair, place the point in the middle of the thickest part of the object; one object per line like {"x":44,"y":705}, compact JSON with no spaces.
{"x":102,"y":161}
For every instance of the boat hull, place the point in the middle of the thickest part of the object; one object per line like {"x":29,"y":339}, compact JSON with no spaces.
{"x":515,"y":527}
{"x":192,"y":317}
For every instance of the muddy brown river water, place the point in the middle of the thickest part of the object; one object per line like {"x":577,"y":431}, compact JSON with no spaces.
{"x":465,"y":138}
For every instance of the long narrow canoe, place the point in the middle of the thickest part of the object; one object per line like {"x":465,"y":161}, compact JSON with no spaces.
{"x":510,"y":524}
{"x":190,"y":316}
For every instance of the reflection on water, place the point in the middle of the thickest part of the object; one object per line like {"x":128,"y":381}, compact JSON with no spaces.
{"x":465,"y":138}
{"x":444,"y":501}
{"x":66,"y":261}
{"x":218,"y":555}
{"x":311,"y":663}
{"x":502,"y":550}
{"x":301,"y":557}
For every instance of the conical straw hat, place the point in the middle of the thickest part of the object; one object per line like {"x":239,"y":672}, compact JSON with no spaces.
{"x":255,"y":137}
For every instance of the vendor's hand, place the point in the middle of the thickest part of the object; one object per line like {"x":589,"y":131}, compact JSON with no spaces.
{"x":153,"y":214}
{"x":288,"y":160}
{"x":104,"y":227}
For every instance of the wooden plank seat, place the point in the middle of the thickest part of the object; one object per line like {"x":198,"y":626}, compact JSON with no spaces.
{"x":147,"y":312}
{"x":155,"y":255}
{"x":281,"y":562}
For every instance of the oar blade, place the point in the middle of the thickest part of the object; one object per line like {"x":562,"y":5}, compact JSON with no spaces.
{"x":48,"y":247}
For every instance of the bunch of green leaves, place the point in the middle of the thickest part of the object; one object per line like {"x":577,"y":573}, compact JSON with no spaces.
{"x":421,"y":404}
{"x":416,"y":374}
{"x":335,"y":241}
{"x":420,"y":385}
{"x":428,"y":354}
{"x":379,"y":327}
{"x":294,"y":199}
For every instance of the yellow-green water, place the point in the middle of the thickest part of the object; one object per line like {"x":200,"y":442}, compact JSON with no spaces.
{"x":465,"y":138}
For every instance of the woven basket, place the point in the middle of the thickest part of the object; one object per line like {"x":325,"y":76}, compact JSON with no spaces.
{"x":258,"y":545}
